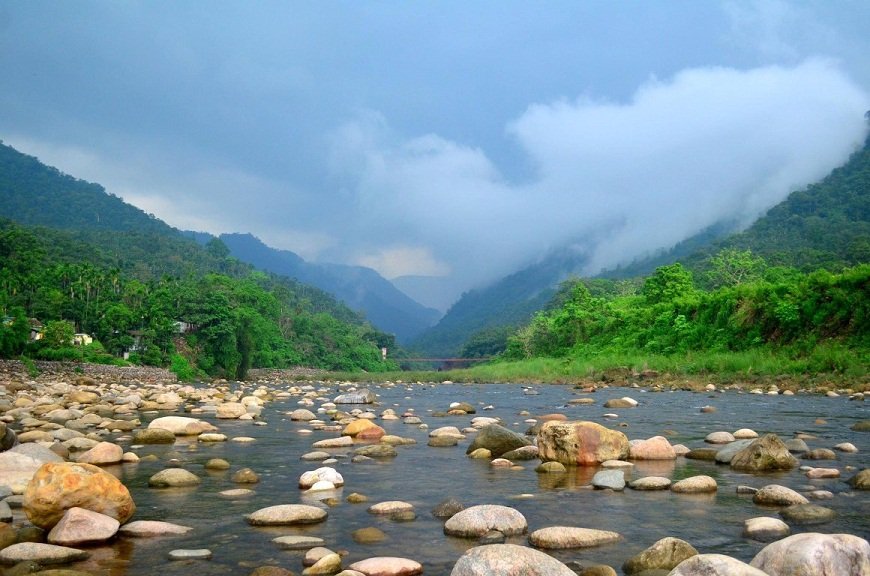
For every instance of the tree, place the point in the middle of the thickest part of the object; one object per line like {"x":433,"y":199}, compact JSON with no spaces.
{"x":732,"y":267}
{"x":58,"y":333}
{"x":668,"y":283}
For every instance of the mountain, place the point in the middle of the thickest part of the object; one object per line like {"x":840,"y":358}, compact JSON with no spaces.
{"x":509,"y":302}
{"x":827,"y":225}
{"x":360,"y":288}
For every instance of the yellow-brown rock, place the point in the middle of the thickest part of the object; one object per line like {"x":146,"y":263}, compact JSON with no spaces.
{"x":580,"y":443}
{"x":357,"y":426}
{"x":57,"y":487}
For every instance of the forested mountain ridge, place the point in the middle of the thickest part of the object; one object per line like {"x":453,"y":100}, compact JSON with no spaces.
{"x":360,"y":288}
{"x":86,"y":261}
{"x":825,"y":225}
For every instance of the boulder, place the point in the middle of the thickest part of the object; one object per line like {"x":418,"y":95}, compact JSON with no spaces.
{"x":79,"y":526}
{"x":720,"y":437}
{"x":695,"y":485}
{"x":231,"y":410}
{"x":154,"y":436}
{"x":807,"y":514}
{"x":387,"y":566}
{"x":561,"y":537}
{"x":363,"y":396}
{"x":655,"y":448}
{"x":609,"y":479}
{"x":714,"y":565}
{"x":508,"y":559}
{"x":182,"y":425}
{"x":476,"y":521}
{"x":764,"y":454}
{"x":811,"y":554}
{"x":312,"y":477}
{"x":43,"y":554}
{"x":57,"y":487}
{"x":665,"y":554}
{"x":777,"y":495}
{"x":447,"y":508}
{"x":861,"y":480}
{"x":286,"y":515}
{"x":624,"y":402}
{"x":103,"y":454}
{"x":358,"y":426}
{"x":765,"y":529}
{"x":498,"y":440}
{"x":8,"y":439}
{"x":727,"y":452}
{"x":650,"y":483}
{"x":580,"y":443}
{"x":150,"y":528}
{"x":173,"y":478}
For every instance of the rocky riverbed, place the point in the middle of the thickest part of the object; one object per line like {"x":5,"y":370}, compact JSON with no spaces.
{"x":107,"y":470}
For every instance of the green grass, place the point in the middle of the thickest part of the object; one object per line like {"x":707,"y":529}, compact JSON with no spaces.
{"x":825,"y":366}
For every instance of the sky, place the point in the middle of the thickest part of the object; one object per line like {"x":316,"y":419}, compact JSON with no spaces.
{"x":457,"y":140}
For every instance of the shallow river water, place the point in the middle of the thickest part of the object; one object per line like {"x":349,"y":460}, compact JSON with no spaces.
{"x":425,"y":476}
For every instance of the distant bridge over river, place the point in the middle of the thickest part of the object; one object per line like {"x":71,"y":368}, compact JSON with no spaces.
{"x":444,"y":363}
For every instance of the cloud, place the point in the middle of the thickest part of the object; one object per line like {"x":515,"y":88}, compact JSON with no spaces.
{"x":619,"y":179}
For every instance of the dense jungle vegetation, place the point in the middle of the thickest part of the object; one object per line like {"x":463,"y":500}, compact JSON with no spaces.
{"x":80,"y":260}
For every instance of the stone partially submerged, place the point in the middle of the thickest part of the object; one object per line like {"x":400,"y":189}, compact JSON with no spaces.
{"x":766,"y":454}
{"x":580,"y":443}
{"x":812,"y":553}
{"x":476,"y":521}
{"x":498,"y":440}
{"x":508,"y":559}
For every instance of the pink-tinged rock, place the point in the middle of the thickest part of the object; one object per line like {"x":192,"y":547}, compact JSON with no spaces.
{"x":103,"y":454}
{"x":57,"y":487}
{"x":81,"y":527}
{"x":508,"y":559}
{"x":823,"y":473}
{"x":150,"y":528}
{"x":372,"y":433}
{"x":655,"y":448}
{"x":580,"y":443}
{"x":813,"y":554}
{"x":387,"y":566}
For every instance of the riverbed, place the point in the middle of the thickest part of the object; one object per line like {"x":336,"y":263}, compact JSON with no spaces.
{"x":425,"y":476}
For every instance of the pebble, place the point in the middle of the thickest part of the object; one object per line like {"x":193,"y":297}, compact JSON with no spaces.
{"x":190,"y":554}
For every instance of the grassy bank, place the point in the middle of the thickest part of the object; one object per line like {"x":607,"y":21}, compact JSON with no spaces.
{"x":827,"y":367}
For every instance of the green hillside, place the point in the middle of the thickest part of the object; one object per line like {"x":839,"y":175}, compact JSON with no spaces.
{"x":80,"y":260}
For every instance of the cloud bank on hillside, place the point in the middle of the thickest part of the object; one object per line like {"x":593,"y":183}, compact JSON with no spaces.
{"x":619,"y":179}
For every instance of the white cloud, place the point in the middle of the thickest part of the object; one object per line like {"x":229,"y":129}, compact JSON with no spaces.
{"x":620,"y":179}
{"x":398,"y":261}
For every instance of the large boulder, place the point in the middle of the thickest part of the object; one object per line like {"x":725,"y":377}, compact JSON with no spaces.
{"x":580,"y":443}
{"x":665,"y":554}
{"x":476,"y":521}
{"x":387,"y":566}
{"x":57,"y":487}
{"x":19,"y":464}
{"x":182,"y":425}
{"x":765,"y":454}
{"x":508,"y":559}
{"x":498,"y":440}
{"x":714,"y":565}
{"x":103,"y":454}
{"x":812,"y":554}
{"x":861,"y":480}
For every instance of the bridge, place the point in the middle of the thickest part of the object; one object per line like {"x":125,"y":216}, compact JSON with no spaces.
{"x":444,"y":362}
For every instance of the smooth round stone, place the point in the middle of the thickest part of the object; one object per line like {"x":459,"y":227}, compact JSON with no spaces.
{"x":476,"y":521}
{"x":245,"y":476}
{"x":807,"y":514}
{"x":664,"y":554}
{"x":149,"y":528}
{"x":720,"y":437}
{"x":617,"y":464}
{"x":315,"y":554}
{"x":480,"y":454}
{"x":190,"y":554}
{"x":173,"y":478}
{"x":814,"y":553}
{"x":244,"y":439}
{"x":236,"y":492}
{"x":609,"y":479}
{"x":387,"y":566}
{"x":765,"y":529}
{"x":650,"y":483}
{"x":340,"y":442}
{"x":745,"y":434}
{"x":325,"y":473}
{"x":316,"y":456}
{"x":391,"y":507}
{"x":846,"y":447}
{"x":368,"y":535}
{"x":494,"y":559}
{"x":551,"y":467}
{"x":816,"y":473}
{"x":357,"y":498}
{"x":40,"y":553}
{"x":286,"y":515}
{"x":561,"y":537}
{"x":777,"y":495}
{"x":82,"y":527}
{"x":217,"y":464}
{"x":295,"y":542}
{"x":714,"y":565}
{"x":328,"y":564}
{"x":695,"y":485}
{"x":212,"y":437}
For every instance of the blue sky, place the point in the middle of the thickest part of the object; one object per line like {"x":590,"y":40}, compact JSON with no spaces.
{"x":454,"y":139}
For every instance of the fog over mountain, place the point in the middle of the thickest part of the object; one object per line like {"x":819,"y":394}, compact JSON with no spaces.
{"x":451,"y":141}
